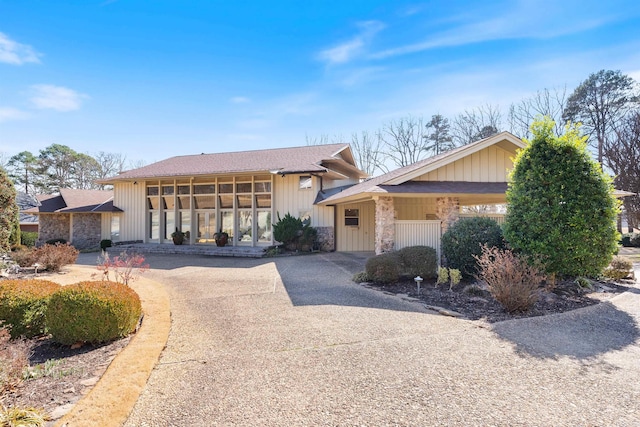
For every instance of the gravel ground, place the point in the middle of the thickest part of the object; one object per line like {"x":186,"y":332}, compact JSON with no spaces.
{"x":293,"y":342}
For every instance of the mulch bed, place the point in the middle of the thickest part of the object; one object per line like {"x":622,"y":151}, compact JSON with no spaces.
{"x":480,"y":305}
{"x":61,"y":375}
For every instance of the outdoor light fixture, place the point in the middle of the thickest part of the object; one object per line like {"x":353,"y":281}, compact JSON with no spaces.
{"x":418,"y":280}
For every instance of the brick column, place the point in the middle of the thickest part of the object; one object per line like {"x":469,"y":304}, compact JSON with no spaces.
{"x":385,"y":232}
{"x":447,"y":211}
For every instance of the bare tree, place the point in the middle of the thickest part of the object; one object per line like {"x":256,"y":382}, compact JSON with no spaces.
{"x":86,"y":171}
{"x":405,"y":140}
{"x":324,"y":139}
{"x":367,"y":149}
{"x":622,"y":156}
{"x":546,"y":102}
{"x":599,"y":103}
{"x":478,"y":123}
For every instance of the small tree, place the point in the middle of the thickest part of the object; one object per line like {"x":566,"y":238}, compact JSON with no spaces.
{"x":561,"y":204}
{"x":8,"y":212}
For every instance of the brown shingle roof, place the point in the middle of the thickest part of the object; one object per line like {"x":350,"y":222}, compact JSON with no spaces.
{"x":284,"y":160}
{"x":72,"y":200}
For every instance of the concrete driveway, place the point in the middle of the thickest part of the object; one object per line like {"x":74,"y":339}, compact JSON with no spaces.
{"x":293,"y":342}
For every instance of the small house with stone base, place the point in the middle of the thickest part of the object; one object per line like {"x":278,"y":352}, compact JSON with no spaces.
{"x":240,"y":193}
{"x":414,"y":205}
{"x":81,"y":217}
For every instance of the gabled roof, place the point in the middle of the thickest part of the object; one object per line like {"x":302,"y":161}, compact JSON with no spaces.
{"x":384,"y":183}
{"x":76,"y":201}
{"x":330,"y":158}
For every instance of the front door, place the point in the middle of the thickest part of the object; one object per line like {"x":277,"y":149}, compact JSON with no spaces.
{"x":206,"y":226}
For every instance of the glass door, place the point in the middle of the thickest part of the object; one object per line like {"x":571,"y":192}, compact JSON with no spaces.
{"x":206,"y":226}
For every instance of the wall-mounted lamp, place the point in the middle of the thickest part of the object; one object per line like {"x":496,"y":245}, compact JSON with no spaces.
{"x":135,"y":182}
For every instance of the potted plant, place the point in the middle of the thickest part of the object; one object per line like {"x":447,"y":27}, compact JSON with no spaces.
{"x":221,"y":238}
{"x":178,"y":237}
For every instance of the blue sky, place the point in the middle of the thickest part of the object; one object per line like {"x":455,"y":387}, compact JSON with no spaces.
{"x":153,"y":79}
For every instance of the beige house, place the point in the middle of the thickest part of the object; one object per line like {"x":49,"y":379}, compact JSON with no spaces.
{"x":241,"y":193}
{"x":413,"y":205}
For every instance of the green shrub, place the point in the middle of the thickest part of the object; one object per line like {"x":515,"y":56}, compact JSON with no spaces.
{"x":383,"y":268}
{"x":510,"y":279}
{"x":28,"y":238}
{"x":625,"y":240}
{"x":105,"y":243}
{"x":618,"y":268}
{"x":23,"y":304}
{"x":419,"y":261}
{"x":8,"y":213}
{"x":463,"y":240}
{"x":294,"y":233}
{"x":635,"y":240}
{"x":93,"y":312}
{"x":561,"y":207}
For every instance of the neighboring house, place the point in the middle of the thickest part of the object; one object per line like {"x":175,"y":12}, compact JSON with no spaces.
{"x":241,"y":193}
{"x":28,"y":222}
{"x":413,"y":205}
{"x":81,"y":217}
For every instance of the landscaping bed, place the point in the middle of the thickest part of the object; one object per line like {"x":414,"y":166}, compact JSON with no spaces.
{"x":480,"y":305}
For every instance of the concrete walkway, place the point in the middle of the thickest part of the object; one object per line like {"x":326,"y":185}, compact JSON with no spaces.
{"x":293,"y":342}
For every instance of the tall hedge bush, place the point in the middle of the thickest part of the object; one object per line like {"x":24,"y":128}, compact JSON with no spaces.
{"x":561,"y":204}
{"x":23,"y":304}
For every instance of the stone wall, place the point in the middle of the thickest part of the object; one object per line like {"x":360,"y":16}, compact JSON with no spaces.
{"x":447,"y":211}
{"x":53,"y":226}
{"x":385,"y":232}
{"x":87,"y":230}
{"x":326,"y":238}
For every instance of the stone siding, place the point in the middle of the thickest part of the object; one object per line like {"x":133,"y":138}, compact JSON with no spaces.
{"x":326,"y":238}
{"x":87,"y":230}
{"x":385,"y":232}
{"x":448,"y":211}
{"x":53,"y":226}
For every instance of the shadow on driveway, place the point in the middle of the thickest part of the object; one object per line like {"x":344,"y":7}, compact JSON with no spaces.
{"x":582,"y":334}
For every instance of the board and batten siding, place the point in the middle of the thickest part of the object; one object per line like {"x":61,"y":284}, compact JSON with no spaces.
{"x":105,"y":225}
{"x":488,"y":165}
{"x":418,"y":233}
{"x":414,"y":208}
{"x":131,"y":199}
{"x":289,"y":198}
{"x":356,"y":238}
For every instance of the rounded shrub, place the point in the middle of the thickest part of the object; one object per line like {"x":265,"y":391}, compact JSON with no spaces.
{"x":463,"y":240}
{"x":93,"y":312}
{"x":619,"y":268}
{"x":383,"y":268}
{"x":419,"y":261}
{"x":23,"y":305}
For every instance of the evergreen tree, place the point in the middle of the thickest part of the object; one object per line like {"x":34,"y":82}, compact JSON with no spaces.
{"x":561,"y":204}
{"x":8,"y":211}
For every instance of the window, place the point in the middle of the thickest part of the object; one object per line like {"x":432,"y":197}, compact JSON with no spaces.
{"x":351,"y":217}
{"x":115,"y":228}
{"x":305,"y":182}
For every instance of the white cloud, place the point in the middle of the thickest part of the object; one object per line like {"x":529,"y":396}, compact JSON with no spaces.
{"x":348,"y":50}
{"x":239,"y":100}
{"x":12,"y":52}
{"x":510,"y":24}
{"x":8,"y":114}
{"x":57,"y":98}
